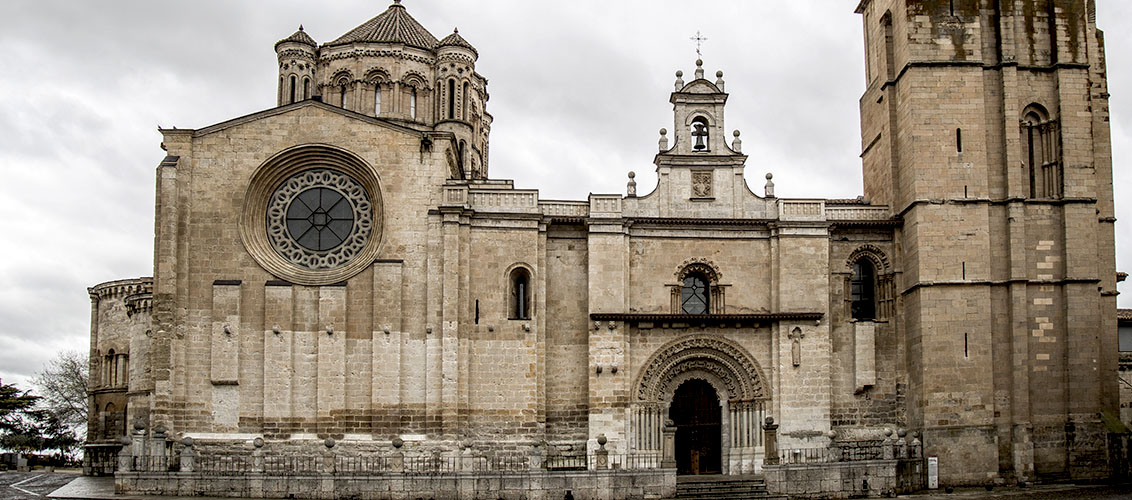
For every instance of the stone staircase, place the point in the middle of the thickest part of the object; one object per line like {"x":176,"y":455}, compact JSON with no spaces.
{"x":723,"y":488}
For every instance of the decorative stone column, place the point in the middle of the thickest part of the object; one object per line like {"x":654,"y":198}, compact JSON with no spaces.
{"x":602,"y":453}
{"x":669,"y":461}
{"x":397,"y":462}
{"x":257,"y":455}
{"x":188,"y":456}
{"x":536,"y":458}
{"x":770,"y":442}
{"x":157,"y":455}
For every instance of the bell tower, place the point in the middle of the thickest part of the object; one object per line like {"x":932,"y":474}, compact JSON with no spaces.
{"x":698,"y":109}
{"x":985,"y":128}
{"x":699,"y":173}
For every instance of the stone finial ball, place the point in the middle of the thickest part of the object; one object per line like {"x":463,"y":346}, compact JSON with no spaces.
{"x":632,"y":174}
{"x":902,"y":432}
{"x":735,"y":133}
{"x":679,"y":74}
{"x":769,"y":420}
{"x":125,"y":440}
{"x":888,"y":432}
{"x":398,"y":442}
{"x":139,"y":425}
{"x":832,"y":434}
{"x":160,"y":429}
{"x":699,"y":62}
{"x":329,"y":442}
{"x":663,"y":131}
{"x":769,"y":176}
{"x":601,"y":440}
{"x":719,"y":74}
{"x":257,"y":442}
{"x":188,"y":441}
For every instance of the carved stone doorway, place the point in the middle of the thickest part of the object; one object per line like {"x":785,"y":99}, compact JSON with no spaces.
{"x":698,"y":417}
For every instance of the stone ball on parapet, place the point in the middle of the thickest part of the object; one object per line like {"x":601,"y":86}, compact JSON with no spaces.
{"x":769,"y":176}
{"x":398,"y":442}
{"x":257,"y":442}
{"x":719,"y":74}
{"x":679,"y":74}
{"x":125,"y":440}
{"x":632,"y":174}
{"x":329,"y":442}
{"x":139,"y":425}
{"x":188,"y":441}
{"x":769,"y":420}
{"x":601,"y":440}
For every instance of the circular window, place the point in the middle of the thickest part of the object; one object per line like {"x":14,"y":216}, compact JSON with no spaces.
{"x":319,"y":219}
{"x":312,"y":215}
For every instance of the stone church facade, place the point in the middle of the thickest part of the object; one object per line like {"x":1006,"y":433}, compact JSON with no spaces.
{"x":343,"y":266}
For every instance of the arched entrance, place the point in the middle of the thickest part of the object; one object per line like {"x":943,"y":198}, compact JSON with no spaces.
{"x":713,"y":391}
{"x":697,"y":414}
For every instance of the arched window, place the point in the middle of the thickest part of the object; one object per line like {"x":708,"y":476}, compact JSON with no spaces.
{"x":862,"y":290}
{"x":282,"y":89}
{"x":700,"y":136}
{"x":1041,"y":151}
{"x":342,"y":93}
{"x":294,"y":87}
{"x":460,"y":153}
{"x":306,"y":88}
{"x":413,"y":103}
{"x":112,"y":422}
{"x":520,"y":296}
{"x":694,"y":294}
{"x":464,"y":106}
{"x":110,"y":369}
{"x":451,"y":99}
{"x":376,"y":99}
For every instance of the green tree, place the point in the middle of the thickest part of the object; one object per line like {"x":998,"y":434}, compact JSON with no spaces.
{"x":13,"y":402}
{"x":62,"y":385}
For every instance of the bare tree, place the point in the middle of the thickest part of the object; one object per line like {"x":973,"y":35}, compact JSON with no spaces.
{"x":62,"y":385}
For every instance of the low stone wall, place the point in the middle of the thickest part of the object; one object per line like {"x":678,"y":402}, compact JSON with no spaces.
{"x":870,"y":478}
{"x":532,"y":485}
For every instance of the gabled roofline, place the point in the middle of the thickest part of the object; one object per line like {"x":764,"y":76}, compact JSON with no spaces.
{"x":287,"y":108}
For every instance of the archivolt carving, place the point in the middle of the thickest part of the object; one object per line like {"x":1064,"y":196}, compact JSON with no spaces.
{"x":728,"y":361}
{"x":342,"y":77}
{"x":414,"y":79}
{"x":871,"y":252}
{"x":377,"y":75}
{"x":700,"y":265}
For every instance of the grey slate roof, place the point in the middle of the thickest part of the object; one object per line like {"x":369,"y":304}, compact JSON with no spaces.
{"x":395,"y":25}
{"x":299,"y":37}
{"x":456,"y":40}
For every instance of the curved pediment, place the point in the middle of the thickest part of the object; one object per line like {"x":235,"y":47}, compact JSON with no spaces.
{"x":700,"y":86}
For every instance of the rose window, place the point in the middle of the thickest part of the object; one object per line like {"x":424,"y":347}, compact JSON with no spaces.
{"x":319,"y":219}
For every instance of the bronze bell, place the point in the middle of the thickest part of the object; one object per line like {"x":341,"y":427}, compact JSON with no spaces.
{"x":699,"y":133}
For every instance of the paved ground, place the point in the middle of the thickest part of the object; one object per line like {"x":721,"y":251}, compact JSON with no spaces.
{"x":1041,"y":492}
{"x":32,"y":485}
{"x":37,"y":485}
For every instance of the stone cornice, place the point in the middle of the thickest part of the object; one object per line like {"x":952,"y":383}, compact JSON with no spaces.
{"x":708,"y":319}
{"x":143,"y":285}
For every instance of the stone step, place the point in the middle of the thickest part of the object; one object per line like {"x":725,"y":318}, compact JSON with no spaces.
{"x":723,"y":488}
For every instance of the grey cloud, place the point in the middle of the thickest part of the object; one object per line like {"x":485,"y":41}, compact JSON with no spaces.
{"x":578,"y":91}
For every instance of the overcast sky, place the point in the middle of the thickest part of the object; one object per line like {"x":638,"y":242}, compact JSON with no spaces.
{"x":578,"y":91}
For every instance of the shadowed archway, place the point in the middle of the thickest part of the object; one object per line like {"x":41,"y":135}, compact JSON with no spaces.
{"x":697,"y":414}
